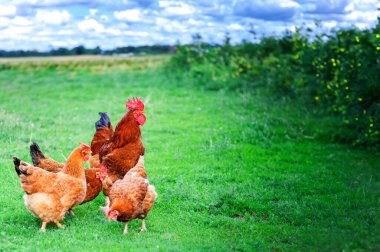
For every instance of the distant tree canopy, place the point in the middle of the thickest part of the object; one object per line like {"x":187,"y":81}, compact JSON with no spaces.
{"x":82,"y":50}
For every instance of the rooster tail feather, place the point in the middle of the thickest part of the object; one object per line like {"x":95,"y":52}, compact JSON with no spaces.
{"x":36,"y":153}
{"x":104,"y":121}
{"x":17,"y":163}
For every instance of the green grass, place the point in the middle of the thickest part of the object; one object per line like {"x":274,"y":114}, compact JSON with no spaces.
{"x":232,"y":171}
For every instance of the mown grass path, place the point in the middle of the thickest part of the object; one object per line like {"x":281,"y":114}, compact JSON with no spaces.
{"x":233,"y":171}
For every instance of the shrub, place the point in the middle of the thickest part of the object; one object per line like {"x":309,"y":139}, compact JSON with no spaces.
{"x":337,"y":72}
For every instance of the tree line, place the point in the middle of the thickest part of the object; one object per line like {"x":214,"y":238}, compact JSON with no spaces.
{"x":82,"y":50}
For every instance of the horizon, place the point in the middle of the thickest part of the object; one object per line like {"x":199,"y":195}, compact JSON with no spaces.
{"x":50,"y":24}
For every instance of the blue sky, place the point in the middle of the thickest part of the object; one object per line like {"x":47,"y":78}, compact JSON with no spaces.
{"x":46,"y":24}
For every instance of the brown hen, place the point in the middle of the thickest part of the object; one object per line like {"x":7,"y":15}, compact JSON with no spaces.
{"x":131,"y":198}
{"x":49,"y":195}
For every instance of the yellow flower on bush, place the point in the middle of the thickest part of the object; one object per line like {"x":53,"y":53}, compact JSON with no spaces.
{"x":360,"y":99}
{"x":316,"y":98}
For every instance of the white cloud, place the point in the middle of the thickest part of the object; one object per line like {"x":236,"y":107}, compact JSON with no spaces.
{"x":169,"y":25}
{"x":64,"y":43}
{"x":16,"y":21}
{"x":194,"y":22}
{"x":104,"y":18}
{"x":330,"y":24}
{"x":362,"y":5}
{"x":176,"y":8}
{"x":16,"y":32}
{"x":21,"y":21}
{"x":133,"y":15}
{"x":4,"y":22}
{"x":113,"y":31}
{"x":90,"y":25}
{"x":287,"y":4}
{"x":358,"y":16}
{"x":136,"y":33}
{"x":66,"y":32}
{"x":7,"y":10}
{"x":93,"y":11}
{"x":54,"y":17}
{"x":235,"y":27}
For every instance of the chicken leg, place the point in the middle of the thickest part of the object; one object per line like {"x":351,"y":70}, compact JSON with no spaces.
{"x":143,"y":227}
{"x":59,"y":225}
{"x":126,"y":229}
{"x":43,"y":227}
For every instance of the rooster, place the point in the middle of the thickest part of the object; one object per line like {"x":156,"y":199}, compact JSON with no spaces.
{"x":122,"y":151}
{"x":93,"y":182}
{"x":131,"y":197}
{"x":49,"y":195}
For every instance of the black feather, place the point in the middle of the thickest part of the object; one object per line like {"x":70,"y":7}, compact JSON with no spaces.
{"x":36,"y":153}
{"x":17,"y":163}
{"x":104,"y":121}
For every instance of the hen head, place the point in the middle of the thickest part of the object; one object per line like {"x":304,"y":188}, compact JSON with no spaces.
{"x":110,"y":214}
{"x":137,"y":107}
{"x":85,"y":151}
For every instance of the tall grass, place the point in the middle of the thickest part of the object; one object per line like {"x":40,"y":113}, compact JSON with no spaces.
{"x":337,"y":73}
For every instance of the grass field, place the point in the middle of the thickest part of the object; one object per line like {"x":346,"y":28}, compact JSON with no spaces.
{"x":233,"y":171}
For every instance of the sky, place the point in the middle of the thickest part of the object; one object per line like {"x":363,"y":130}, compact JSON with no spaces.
{"x":48,"y":24}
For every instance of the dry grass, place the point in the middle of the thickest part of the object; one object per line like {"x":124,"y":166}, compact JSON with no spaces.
{"x":95,"y":63}
{"x":75,"y":58}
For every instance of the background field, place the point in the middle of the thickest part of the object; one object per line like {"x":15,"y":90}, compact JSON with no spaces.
{"x":233,"y":170}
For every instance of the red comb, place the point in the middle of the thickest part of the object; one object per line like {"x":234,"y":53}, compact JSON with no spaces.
{"x":84,"y":146}
{"x":135,"y":103}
